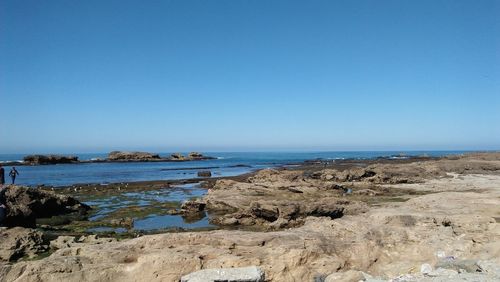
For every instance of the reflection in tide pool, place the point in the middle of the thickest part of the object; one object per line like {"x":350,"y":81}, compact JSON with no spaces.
{"x":155,"y":222}
{"x":107,"y":230}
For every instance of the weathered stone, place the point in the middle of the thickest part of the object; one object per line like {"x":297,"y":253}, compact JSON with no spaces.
{"x":442,"y":272}
{"x":467,"y":265}
{"x":24,"y":205}
{"x":425,"y":268}
{"x":489,"y":267}
{"x":348,"y":276}
{"x":193,"y":206}
{"x":18,"y":242}
{"x":62,"y":242}
{"x":239,"y":274}
{"x":126,"y":222}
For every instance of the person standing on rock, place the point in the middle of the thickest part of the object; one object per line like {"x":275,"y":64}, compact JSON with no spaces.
{"x":2,"y":176}
{"x":2,"y":196}
{"x":13,"y":173}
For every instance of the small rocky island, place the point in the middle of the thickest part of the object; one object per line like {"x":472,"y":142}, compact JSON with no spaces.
{"x":49,"y":159}
{"x":119,"y":156}
{"x":114,"y":156}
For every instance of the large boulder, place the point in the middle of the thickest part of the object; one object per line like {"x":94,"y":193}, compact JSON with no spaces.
{"x":18,"y":242}
{"x":132,"y":156}
{"x":24,"y":205}
{"x":49,"y":159}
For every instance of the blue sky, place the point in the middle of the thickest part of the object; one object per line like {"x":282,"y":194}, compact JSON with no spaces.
{"x":91,"y":76}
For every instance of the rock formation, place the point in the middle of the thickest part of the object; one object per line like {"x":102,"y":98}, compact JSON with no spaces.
{"x":204,"y":173}
{"x":276,"y":199}
{"x":19,"y":242}
{"x":132,"y":156}
{"x":177,"y":157}
{"x":49,"y":159}
{"x":24,"y":205}
{"x":238,"y":274}
{"x":192,"y":156}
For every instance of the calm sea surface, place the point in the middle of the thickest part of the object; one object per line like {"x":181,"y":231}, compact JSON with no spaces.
{"x":226,"y":164}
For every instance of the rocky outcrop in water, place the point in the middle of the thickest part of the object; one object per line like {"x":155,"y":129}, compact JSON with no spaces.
{"x":49,"y":159}
{"x":193,"y":156}
{"x":115,"y":156}
{"x":150,"y":157}
{"x":24,"y":205}
{"x":204,"y":173}
{"x":132,"y":156}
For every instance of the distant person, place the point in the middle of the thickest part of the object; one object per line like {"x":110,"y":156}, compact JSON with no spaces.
{"x":13,"y":173}
{"x":2,"y":199}
{"x":2,"y":176}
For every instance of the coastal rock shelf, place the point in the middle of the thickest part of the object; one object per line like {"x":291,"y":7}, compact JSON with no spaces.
{"x":406,"y":220}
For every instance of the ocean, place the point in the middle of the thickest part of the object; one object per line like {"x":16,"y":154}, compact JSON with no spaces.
{"x":226,"y":164}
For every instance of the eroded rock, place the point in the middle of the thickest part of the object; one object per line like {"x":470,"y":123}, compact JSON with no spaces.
{"x":24,"y":205}
{"x":18,"y":242}
{"x":237,"y":274}
{"x":274,"y":199}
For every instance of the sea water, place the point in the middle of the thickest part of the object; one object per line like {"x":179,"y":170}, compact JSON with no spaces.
{"x":225,"y":164}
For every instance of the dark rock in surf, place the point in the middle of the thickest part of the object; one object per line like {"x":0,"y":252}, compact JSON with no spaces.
{"x":49,"y":159}
{"x":205,"y":173}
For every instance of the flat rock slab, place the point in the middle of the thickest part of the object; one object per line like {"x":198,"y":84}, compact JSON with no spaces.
{"x":240,"y":274}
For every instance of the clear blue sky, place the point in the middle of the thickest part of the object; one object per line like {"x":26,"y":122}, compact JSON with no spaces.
{"x":91,"y":76}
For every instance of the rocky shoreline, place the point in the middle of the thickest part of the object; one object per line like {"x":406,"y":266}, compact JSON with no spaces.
{"x":420,"y":219}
